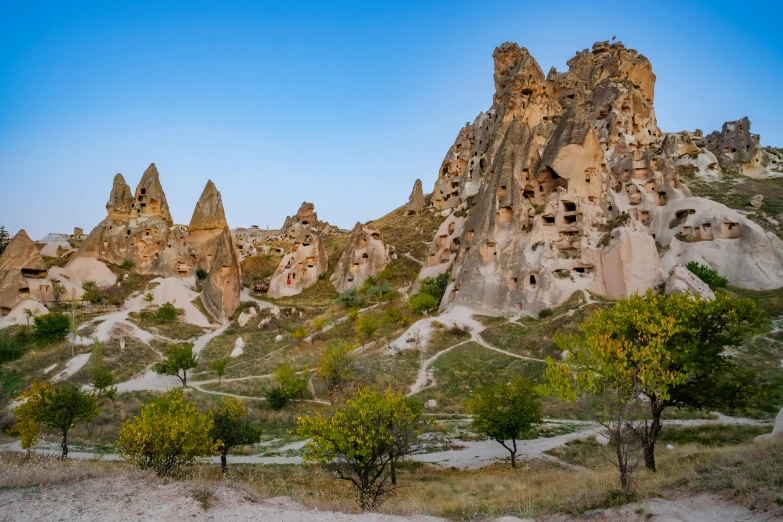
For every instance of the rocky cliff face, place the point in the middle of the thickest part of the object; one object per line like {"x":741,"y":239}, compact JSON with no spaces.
{"x":567,"y":183}
{"x":365,"y":255}
{"x":23,"y":274}
{"x":301,"y":266}
{"x":206,"y":227}
{"x":416,"y":200}
{"x":224,"y":282}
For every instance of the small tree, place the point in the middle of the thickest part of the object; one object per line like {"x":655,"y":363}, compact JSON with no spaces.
{"x":350,"y":298}
{"x":178,"y":360}
{"x":300,"y":334}
{"x":58,"y":289}
{"x":149,"y":298}
{"x":435,"y":286}
{"x":231,"y":428}
{"x":201,"y":274}
{"x":127,"y":264}
{"x":59,"y":407}
{"x":422,"y":303}
{"x":5,"y":238}
{"x":505,"y":411}
{"x":29,"y":313}
{"x":166,"y":434}
{"x":51,"y":328}
{"x":357,"y":442}
{"x":711,"y":277}
{"x":317,"y":327}
{"x":167,"y":312}
{"x":366,"y":326}
{"x":219,"y":366}
{"x":276,"y":398}
{"x":293,"y":385}
{"x":336,"y":366}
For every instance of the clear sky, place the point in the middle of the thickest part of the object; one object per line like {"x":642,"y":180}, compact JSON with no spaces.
{"x":341,"y":104}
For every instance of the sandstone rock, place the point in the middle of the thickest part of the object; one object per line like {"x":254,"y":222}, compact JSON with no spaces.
{"x":777,"y":429}
{"x":301,"y":267}
{"x":757,"y":201}
{"x":416,"y":200}
{"x":278,"y":338}
{"x":120,"y":200}
{"x":681,"y":280}
{"x":23,"y":274}
{"x":602,"y":439}
{"x":566,"y":183}
{"x":239,"y":346}
{"x":243,"y":319}
{"x":206,"y":227}
{"x":224,"y":282}
{"x":150,"y":200}
{"x":431,"y":404}
{"x":365,"y":255}
{"x":737,"y":149}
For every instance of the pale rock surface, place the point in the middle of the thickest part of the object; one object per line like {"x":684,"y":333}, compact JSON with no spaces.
{"x":777,"y":429}
{"x":365,"y":255}
{"x":566,"y":183}
{"x":224,"y":282}
{"x":17,"y":315}
{"x":415,"y":200}
{"x":681,"y":280}
{"x":239,"y":346}
{"x":302,"y":265}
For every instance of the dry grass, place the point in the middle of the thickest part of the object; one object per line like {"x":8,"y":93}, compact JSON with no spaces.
{"x":20,"y":471}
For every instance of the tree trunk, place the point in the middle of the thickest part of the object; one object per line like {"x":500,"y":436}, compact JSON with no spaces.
{"x":394,"y":472}
{"x":649,"y":441}
{"x":65,"y":445}
{"x":223,"y":463}
{"x":514,"y":454}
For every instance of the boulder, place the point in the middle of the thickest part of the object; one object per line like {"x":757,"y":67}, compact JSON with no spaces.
{"x":23,"y":274}
{"x":239,"y":346}
{"x":681,"y":280}
{"x":777,"y":429}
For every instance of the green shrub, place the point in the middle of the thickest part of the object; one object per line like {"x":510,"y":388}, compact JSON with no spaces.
{"x":713,"y":279}
{"x":276,"y":398}
{"x":422,"y":303}
{"x":544,"y":313}
{"x":127,"y":264}
{"x":350,"y":298}
{"x":166,"y":312}
{"x":435,"y":286}
{"x":51,"y":328}
{"x":201,"y":274}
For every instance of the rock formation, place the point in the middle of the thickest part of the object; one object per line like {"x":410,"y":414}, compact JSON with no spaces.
{"x":150,"y":201}
{"x":305,"y":218}
{"x":224,"y":282}
{"x":206,"y":228}
{"x":567,"y":183}
{"x":365,"y":255}
{"x":300,"y":267}
{"x":416,"y":200}
{"x":738,"y":150}
{"x":23,"y":274}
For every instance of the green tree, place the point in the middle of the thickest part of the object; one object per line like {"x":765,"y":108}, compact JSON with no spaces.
{"x":300,"y":334}
{"x":91,"y":292}
{"x":231,"y":428}
{"x":350,"y":298}
{"x":366,"y":326}
{"x":219,"y":366}
{"x":166,"y":313}
{"x":670,"y":349}
{"x":58,"y":289}
{"x":201,"y":274}
{"x":166,"y":434}
{"x":5,"y":238}
{"x":59,"y":407}
{"x":711,"y":277}
{"x":29,"y":405}
{"x":292,"y":384}
{"x":127,"y":264}
{"x":421,"y":303}
{"x":149,"y":298}
{"x":29,"y":313}
{"x":435,"y":286}
{"x":51,"y":328}
{"x":178,"y":360}
{"x":336,"y":366}
{"x":360,"y":439}
{"x":505,"y":411}
{"x":276,"y":398}
{"x":318,"y":325}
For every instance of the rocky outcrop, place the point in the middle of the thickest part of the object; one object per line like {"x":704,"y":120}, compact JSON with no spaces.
{"x":681,"y":281}
{"x":206,"y":227}
{"x":365,"y":255}
{"x":567,"y":183}
{"x":120,"y":200}
{"x":738,"y":150}
{"x":23,"y":274}
{"x":150,"y":201}
{"x":416,"y":200}
{"x":224,"y":282}
{"x":301,"y":266}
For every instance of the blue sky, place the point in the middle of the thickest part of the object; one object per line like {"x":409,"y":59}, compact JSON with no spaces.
{"x":341,"y":104}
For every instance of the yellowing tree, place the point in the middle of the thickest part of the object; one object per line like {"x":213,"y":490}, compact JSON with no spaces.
{"x":231,"y":428}
{"x":362,"y":437}
{"x":166,"y":434}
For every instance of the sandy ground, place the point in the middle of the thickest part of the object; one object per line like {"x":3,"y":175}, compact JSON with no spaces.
{"x":144,"y":498}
